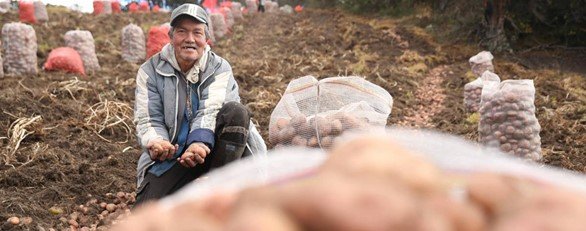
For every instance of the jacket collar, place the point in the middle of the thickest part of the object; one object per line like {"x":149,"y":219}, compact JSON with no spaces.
{"x":170,"y":64}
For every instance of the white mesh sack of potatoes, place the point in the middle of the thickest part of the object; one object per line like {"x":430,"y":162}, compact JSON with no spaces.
{"x":19,"y":43}
{"x":481,"y":62}
{"x":313,"y":113}
{"x":507,"y":118}
{"x":83,"y":42}
{"x":133,"y":44}
{"x":473,"y":90}
{"x":40,"y":11}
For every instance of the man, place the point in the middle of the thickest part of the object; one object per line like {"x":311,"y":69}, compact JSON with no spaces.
{"x":261,"y":6}
{"x":187,"y":113}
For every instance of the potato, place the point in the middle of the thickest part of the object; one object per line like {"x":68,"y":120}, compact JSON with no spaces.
{"x":13,"y":220}
{"x":312,"y":142}
{"x":336,"y":127}
{"x":286,"y":135}
{"x":282,"y":123}
{"x":298,"y":120}
{"x":299,"y":141}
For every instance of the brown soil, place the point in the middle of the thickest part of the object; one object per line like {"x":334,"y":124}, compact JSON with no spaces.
{"x":68,"y":159}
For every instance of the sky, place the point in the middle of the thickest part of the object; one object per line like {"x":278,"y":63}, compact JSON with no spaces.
{"x":84,"y":5}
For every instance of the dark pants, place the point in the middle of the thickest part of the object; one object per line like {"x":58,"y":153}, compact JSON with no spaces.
{"x":231,"y":134}
{"x":261,"y":8}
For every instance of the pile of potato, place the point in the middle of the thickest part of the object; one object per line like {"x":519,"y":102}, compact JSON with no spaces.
{"x":473,"y":90}
{"x":83,"y":42}
{"x":133,"y":44}
{"x":99,"y":215}
{"x":372,"y":184}
{"x":314,"y":131}
{"x":19,"y":43}
{"x":507,"y":119}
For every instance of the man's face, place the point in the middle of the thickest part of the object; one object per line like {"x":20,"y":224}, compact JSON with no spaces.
{"x":188,"y":41}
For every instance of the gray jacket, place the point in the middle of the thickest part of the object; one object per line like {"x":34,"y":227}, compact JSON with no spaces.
{"x":160,"y":97}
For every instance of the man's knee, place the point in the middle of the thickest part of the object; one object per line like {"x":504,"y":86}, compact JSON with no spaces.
{"x":234,"y":114}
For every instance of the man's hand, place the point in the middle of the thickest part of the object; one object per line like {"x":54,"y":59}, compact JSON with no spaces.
{"x":195,"y":154}
{"x":161,"y":149}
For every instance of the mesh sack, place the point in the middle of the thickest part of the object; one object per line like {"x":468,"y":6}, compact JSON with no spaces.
{"x":228,"y":17}
{"x":272,"y":7}
{"x":473,"y":90}
{"x":236,"y":8}
{"x":4,"y":6}
{"x":481,"y":62}
{"x":19,"y":43}
{"x":313,"y":113}
{"x":64,"y":59}
{"x":298,"y":8}
{"x":133,"y":44}
{"x":102,"y":7}
{"x":157,"y":39}
{"x":26,"y":12}
{"x":83,"y":42}
{"x":429,"y":168}
{"x":133,"y":7}
{"x":1,"y":68}
{"x":251,"y":6}
{"x":40,"y":11}
{"x":156,"y":8}
{"x":507,"y":118}
{"x":286,"y":9}
{"x":219,"y":25}
{"x":212,"y":38}
{"x":115,"y":5}
{"x":143,"y":7}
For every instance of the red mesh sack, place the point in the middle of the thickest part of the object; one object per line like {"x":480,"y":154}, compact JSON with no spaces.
{"x":158,"y":38}
{"x":98,"y":7}
{"x":156,"y":8}
{"x":116,"y":7}
{"x":144,"y":7}
{"x":298,"y":8}
{"x":133,"y":7}
{"x":26,"y":12}
{"x":64,"y":59}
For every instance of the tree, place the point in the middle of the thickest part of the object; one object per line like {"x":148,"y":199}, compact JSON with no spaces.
{"x":495,"y":38}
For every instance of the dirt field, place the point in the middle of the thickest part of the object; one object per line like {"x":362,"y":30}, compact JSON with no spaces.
{"x":77,"y":150}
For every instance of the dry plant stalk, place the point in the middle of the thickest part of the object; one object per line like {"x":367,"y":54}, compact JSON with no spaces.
{"x":17,"y":132}
{"x":73,"y":85}
{"x":110,"y":114}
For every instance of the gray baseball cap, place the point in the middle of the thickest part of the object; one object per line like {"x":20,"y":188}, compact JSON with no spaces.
{"x":192,"y":10}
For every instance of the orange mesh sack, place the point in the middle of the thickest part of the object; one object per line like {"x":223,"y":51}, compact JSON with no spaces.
{"x":133,"y":7}
{"x":40,"y":11}
{"x":236,"y":8}
{"x":507,"y":118}
{"x":219,"y":25}
{"x":313,"y":113}
{"x":19,"y":43}
{"x":143,"y":7}
{"x":157,"y":39}
{"x":64,"y":59}
{"x":26,"y":12}
{"x":133,"y":44}
{"x":473,"y":90}
{"x":83,"y":42}
{"x":98,"y":7}
{"x":115,"y":5}
{"x":156,"y":8}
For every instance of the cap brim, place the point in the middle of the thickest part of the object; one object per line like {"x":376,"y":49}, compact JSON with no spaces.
{"x":199,"y":19}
